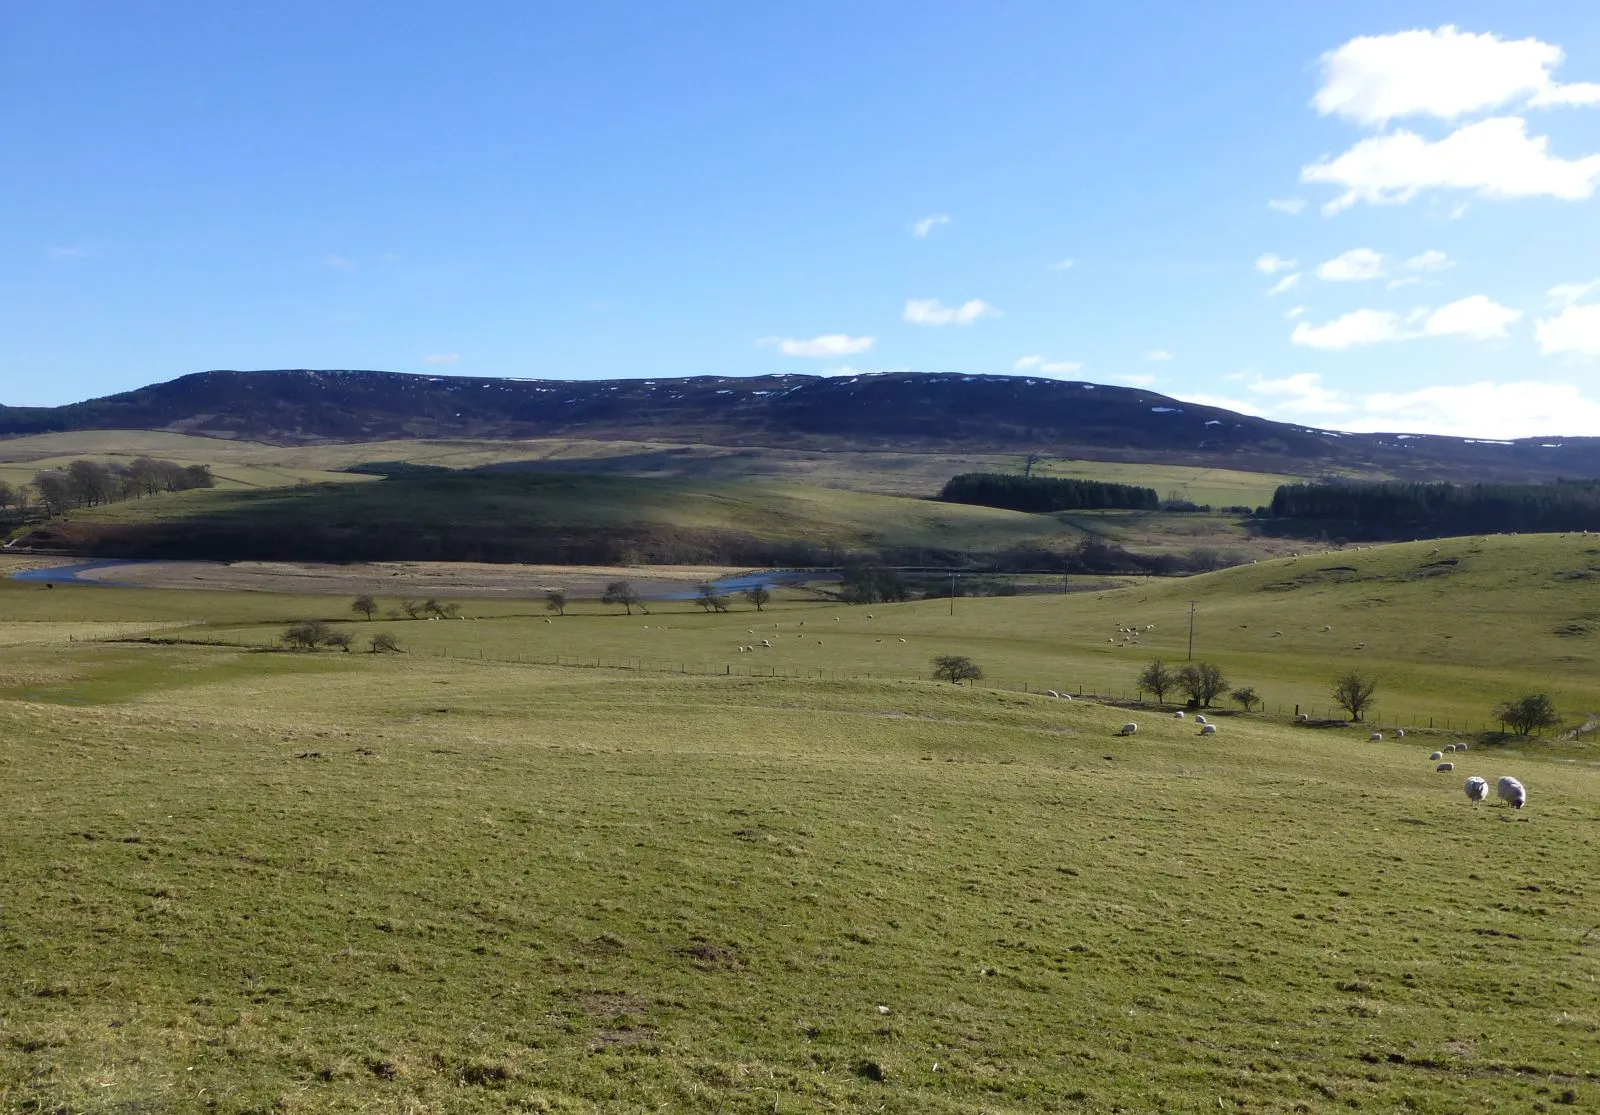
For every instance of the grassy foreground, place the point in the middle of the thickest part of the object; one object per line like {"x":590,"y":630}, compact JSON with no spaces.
{"x":268,"y":882}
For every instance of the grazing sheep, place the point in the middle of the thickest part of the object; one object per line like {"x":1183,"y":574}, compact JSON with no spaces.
{"x":1302,"y":718}
{"x":1208,"y":729}
{"x":1051,"y":693}
{"x":1461,"y":747}
{"x":1477,"y":789}
{"x":1198,"y":719}
{"x":1445,"y":768}
{"x":1066,"y":696}
{"x":1436,"y":756}
{"x":902,"y":640}
{"x":1511,"y":792}
{"x":1178,"y":715}
{"x":1128,"y":729}
{"x":1399,"y":733}
{"x":1375,"y":736}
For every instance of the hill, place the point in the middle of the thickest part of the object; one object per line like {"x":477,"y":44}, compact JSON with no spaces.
{"x":866,"y":412}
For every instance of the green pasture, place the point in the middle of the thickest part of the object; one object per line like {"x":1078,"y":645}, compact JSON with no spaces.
{"x":260,"y":882}
{"x":1448,"y":628}
{"x":889,"y":472}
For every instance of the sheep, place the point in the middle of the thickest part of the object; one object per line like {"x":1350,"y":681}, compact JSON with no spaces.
{"x":1208,"y":729}
{"x":902,"y":640}
{"x":1198,"y":719}
{"x":1435,"y":757}
{"x":1445,"y":768}
{"x":1375,"y":737}
{"x":1066,"y":696}
{"x":1399,"y":733}
{"x":1477,"y":789}
{"x":1302,"y":718}
{"x":1128,"y":729}
{"x":1510,"y":791}
{"x":1051,"y":693}
{"x":1178,"y":715}
{"x":1461,"y":747}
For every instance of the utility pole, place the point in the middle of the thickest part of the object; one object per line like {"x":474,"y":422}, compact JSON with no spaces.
{"x":1190,"y":655}
{"x":952,"y":594}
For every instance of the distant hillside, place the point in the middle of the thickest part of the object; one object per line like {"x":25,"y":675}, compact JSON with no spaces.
{"x":921,"y":412}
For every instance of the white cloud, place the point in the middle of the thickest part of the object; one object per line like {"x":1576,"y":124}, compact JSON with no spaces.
{"x":441,"y":358}
{"x":1494,"y":158}
{"x":1355,"y":266}
{"x":1294,"y":311}
{"x":1287,"y":283}
{"x":1047,"y":367}
{"x":928,"y":224}
{"x":1158,"y":354}
{"x":1483,"y":410}
{"x":1575,"y":331}
{"x":827,"y":345}
{"x":1408,"y":280}
{"x":1568,"y":294}
{"x":1445,"y":74}
{"x":1269,"y":264}
{"x":1359,"y":327}
{"x":1063,"y":265}
{"x":1430,"y":260}
{"x":930,"y":311}
{"x":1478,"y":317}
{"x":1289,"y":205}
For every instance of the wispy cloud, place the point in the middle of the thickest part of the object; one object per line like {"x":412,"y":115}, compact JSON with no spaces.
{"x":930,"y":311}
{"x":1269,"y":264}
{"x":1063,"y":265}
{"x":928,"y":224}
{"x":1568,"y":294}
{"x":1289,"y":205}
{"x":1158,"y":354}
{"x":1355,"y":266}
{"x":1047,"y":367}
{"x":1476,"y":317}
{"x":1284,"y":285}
{"x":829,"y":345}
{"x":441,"y":358}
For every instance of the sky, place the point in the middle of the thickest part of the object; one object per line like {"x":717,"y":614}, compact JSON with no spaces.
{"x":1368,"y":216}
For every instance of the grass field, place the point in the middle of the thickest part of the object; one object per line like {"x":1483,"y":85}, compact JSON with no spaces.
{"x":246,"y":882}
{"x":253,"y":464}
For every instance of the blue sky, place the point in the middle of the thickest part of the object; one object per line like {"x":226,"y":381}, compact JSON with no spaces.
{"x":599,"y":190}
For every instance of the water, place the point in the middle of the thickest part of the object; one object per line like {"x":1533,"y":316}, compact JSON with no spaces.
{"x":68,"y":574}
{"x":772,"y":579}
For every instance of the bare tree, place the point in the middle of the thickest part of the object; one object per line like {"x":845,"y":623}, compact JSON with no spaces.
{"x":55,"y":492}
{"x":307,"y":634}
{"x":1158,"y":678}
{"x":1532,"y":712}
{"x":384,"y":643}
{"x":1203,"y":681}
{"x":364,"y":604}
{"x":621,"y":592}
{"x":8,"y":495}
{"x":442,"y":609}
{"x":1246,"y":697}
{"x":758,"y":595}
{"x":956,"y":668}
{"x":710,"y":599}
{"x":412,"y":608}
{"x":556,"y":601}
{"x":1353,"y":692}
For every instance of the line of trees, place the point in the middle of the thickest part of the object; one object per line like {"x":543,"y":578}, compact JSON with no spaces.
{"x":1471,"y":508}
{"x":1042,"y":494}
{"x":86,"y":483}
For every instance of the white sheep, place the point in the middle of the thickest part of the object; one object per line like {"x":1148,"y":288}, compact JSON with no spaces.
{"x":1302,"y":718}
{"x":1128,"y":729}
{"x":1435,"y":757}
{"x":1477,"y":789}
{"x":1375,"y":737}
{"x":1461,"y":747}
{"x":1510,"y":791}
{"x":1208,"y":729}
{"x":1178,"y":715}
{"x":1198,"y":719}
{"x":902,"y":640}
{"x":1445,"y":768}
{"x":1399,"y":733}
